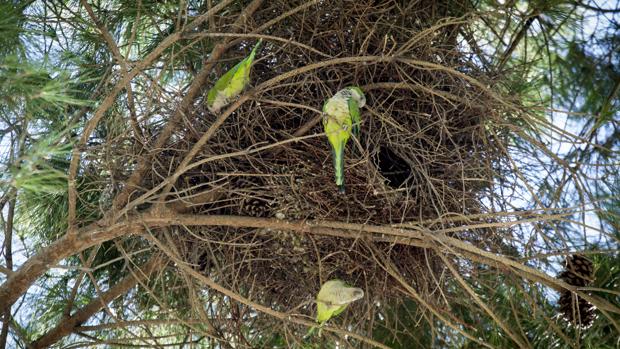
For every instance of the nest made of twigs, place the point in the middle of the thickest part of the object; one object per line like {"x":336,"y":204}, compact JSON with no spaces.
{"x":425,"y":151}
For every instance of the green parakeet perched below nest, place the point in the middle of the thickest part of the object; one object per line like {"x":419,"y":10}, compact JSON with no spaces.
{"x":341,"y":117}
{"x":230,"y":85}
{"x":333,"y":299}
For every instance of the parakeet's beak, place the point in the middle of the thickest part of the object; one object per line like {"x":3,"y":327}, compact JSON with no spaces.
{"x":358,"y":294}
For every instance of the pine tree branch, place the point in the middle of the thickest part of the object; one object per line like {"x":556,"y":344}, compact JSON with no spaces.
{"x":413,"y":235}
{"x":8,"y":256}
{"x":69,"y":325}
{"x":598,"y":9}
{"x":515,"y":42}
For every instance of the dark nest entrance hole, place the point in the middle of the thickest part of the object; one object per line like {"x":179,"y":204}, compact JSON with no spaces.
{"x":392,"y":167}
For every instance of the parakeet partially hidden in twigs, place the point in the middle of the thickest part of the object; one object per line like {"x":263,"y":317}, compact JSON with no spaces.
{"x":341,"y":117}
{"x":333,"y":299}
{"x":230,"y":85}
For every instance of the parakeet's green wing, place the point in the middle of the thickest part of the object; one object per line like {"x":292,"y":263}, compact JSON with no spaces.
{"x":339,"y":310}
{"x":235,"y":78}
{"x":325,"y":116}
{"x":354,"y":111}
{"x":222,"y":83}
{"x":242,"y":74}
{"x":323,"y":312}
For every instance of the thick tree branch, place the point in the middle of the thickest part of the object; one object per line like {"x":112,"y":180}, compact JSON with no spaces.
{"x":414,"y":235}
{"x":8,"y":256}
{"x":68,"y":325}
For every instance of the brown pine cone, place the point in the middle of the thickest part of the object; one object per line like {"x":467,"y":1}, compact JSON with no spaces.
{"x":255,"y":207}
{"x":576,"y":310}
{"x":255,"y":200}
{"x":578,"y":271}
{"x":579,"y":265}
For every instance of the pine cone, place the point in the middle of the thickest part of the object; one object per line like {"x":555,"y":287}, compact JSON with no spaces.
{"x":576,"y":310}
{"x":255,"y":207}
{"x":579,"y":265}
{"x":578,"y":271}
{"x":573,"y":279}
{"x":255,"y":200}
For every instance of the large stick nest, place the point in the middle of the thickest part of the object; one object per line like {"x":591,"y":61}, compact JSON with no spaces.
{"x":424,"y":153}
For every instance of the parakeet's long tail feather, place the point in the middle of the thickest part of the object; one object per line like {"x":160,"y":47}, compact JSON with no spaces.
{"x":255,"y":49}
{"x":311,"y":331}
{"x":338,"y":155}
{"x":356,"y":129}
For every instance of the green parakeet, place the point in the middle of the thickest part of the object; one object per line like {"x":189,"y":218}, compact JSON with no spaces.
{"x":230,"y":85}
{"x":341,"y":117}
{"x":333,"y":298}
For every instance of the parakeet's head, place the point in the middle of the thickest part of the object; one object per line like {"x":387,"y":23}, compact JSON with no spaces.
{"x":355,"y":293}
{"x":337,"y":292}
{"x":358,"y":94}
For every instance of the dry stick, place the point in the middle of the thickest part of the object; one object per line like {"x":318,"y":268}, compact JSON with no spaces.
{"x":259,"y":307}
{"x":528,"y":273}
{"x":388,"y":266}
{"x":140,"y":280}
{"x":287,"y":14}
{"x":126,"y":342}
{"x":430,"y":31}
{"x":481,"y":303}
{"x":124,"y":70}
{"x":111,"y":98}
{"x":78,"y":283}
{"x":19,"y":281}
{"x":190,"y":287}
{"x":130,"y":323}
{"x":255,"y":36}
{"x":68,"y":325}
{"x":438,"y":67}
{"x":69,"y":244}
{"x":437,"y":235}
{"x":194,"y":89}
{"x":106,"y":35}
{"x":164,"y":307}
{"x":520,"y":35}
{"x":168,"y":182}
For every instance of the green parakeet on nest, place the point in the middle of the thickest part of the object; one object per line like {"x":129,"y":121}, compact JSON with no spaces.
{"x":230,"y":85}
{"x":333,"y":299}
{"x":341,"y":117}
